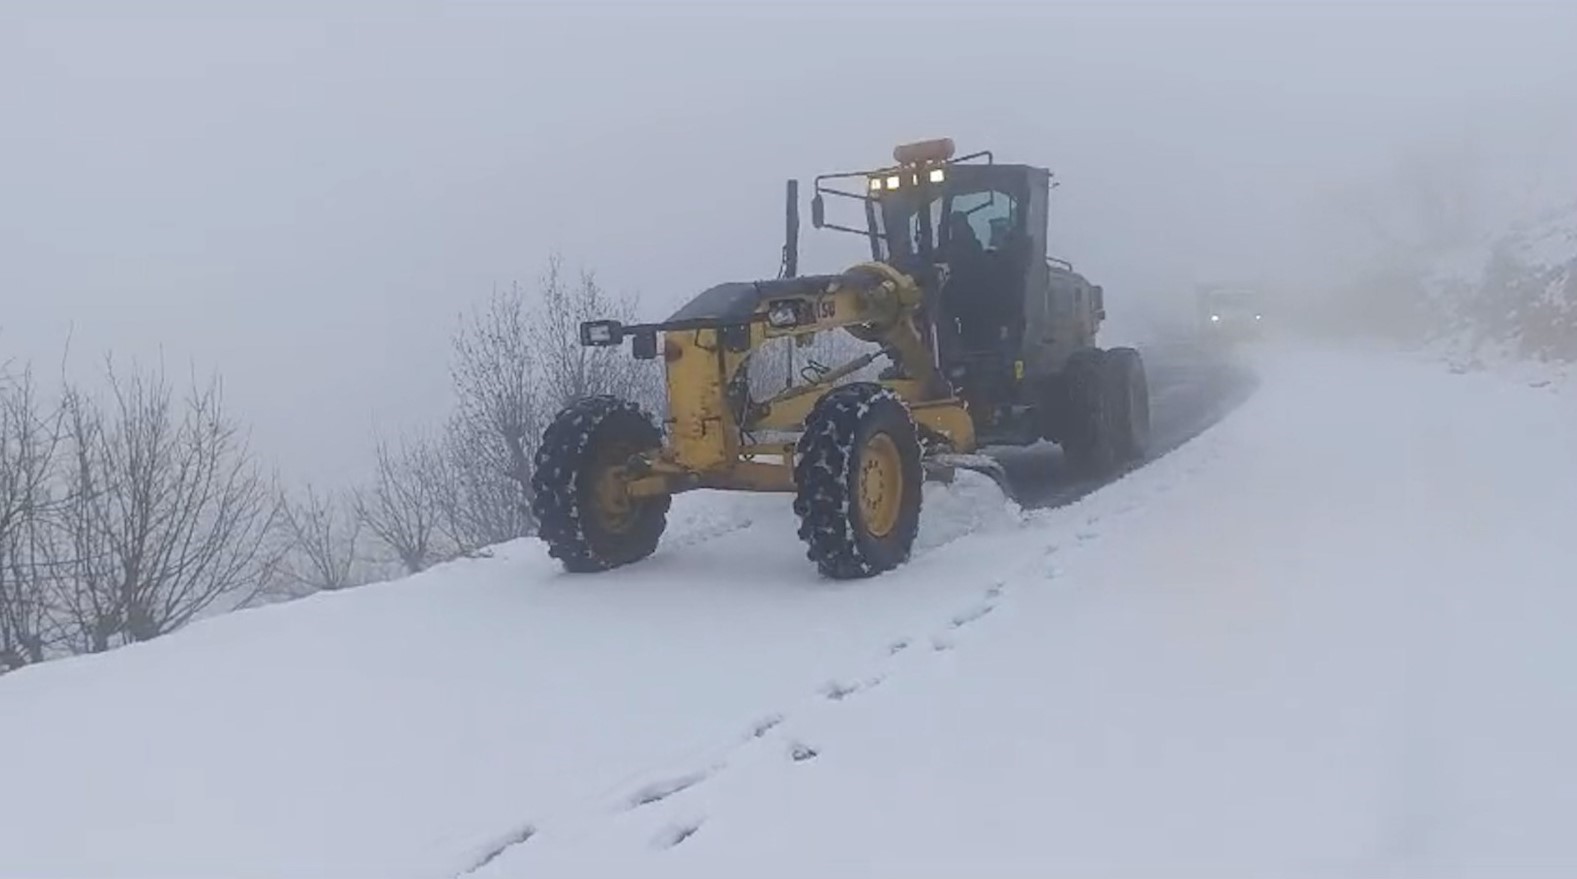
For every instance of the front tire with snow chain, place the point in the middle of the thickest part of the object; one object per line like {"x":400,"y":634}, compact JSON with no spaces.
{"x":858,"y":479}
{"x":582,"y":513}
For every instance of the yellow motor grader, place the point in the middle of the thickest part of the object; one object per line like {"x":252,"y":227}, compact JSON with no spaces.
{"x":986,"y":340}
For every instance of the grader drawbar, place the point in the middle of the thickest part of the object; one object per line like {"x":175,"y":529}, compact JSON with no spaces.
{"x":986,"y":341}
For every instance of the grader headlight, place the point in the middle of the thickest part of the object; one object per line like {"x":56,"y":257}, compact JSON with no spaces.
{"x":601,"y":333}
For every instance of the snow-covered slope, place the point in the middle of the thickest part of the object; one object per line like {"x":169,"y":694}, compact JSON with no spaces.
{"x":1514,"y":298}
{"x":1331,"y":636}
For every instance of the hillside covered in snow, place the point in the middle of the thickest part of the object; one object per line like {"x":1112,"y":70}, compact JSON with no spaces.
{"x":1321,"y":639}
{"x":1516,"y":296}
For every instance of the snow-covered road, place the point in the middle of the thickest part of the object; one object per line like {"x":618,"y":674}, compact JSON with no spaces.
{"x":1331,"y":636}
{"x":1192,"y":386}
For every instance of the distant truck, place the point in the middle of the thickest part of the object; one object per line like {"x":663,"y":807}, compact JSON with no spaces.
{"x":1230,"y":312}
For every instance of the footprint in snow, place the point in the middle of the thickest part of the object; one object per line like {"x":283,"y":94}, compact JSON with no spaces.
{"x":939,"y":643}
{"x":1085,"y":536}
{"x":995,"y":591}
{"x":835,"y":690}
{"x":898,"y":646}
{"x":658,"y":791}
{"x":799,"y":752}
{"x":672,"y":836}
{"x":765,"y":725}
{"x":971,"y":615}
{"x":503,"y":844}
{"x":838,"y":691}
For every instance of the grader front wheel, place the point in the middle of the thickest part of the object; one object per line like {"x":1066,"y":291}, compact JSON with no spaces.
{"x":583,"y":513}
{"x":858,"y":482}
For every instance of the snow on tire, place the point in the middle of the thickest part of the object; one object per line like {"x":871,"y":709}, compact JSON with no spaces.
{"x":583,"y":529}
{"x":858,"y":479}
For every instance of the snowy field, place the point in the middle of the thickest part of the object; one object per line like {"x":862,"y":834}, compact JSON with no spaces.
{"x":1334,"y":635}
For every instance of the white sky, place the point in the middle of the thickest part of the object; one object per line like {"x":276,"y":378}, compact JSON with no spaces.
{"x":305,"y":196}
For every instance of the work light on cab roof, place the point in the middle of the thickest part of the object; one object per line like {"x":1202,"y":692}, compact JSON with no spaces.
{"x":912,"y":159}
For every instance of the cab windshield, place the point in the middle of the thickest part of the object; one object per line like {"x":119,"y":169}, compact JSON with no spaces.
{"x":948,"y":224}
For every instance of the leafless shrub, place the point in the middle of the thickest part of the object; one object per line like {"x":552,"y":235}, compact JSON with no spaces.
{"x":164,"y":512}
{"x":517,"y":361}
{"x":568,"y":370}
{"x":402,"y":507}
{"x":480,"y":502}
{"x":497,"y":420}
{"x":323,"y":537}
{"x":29,"y":440}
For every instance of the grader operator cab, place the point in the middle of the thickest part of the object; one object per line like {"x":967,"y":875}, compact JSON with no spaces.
{"x":987,"y":341}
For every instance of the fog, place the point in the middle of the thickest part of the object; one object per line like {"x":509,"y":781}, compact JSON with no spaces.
{"x":304,"y":197}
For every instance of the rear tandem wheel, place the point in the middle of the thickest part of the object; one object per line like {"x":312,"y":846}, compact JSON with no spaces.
{"x":1107,"y":420}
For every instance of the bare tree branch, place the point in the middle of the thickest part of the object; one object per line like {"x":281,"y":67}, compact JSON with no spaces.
{"x":323,"y":535}
{"x":401,"y":508}
{"x":29,"y":440}
{"x":516,"y":361}
{"x":166,"y":513}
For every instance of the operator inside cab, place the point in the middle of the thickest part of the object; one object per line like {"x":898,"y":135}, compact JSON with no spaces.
{"x":975,"y":219}
{"x":967,"y":294}
{"x":979,"y":297}
{"x":960,"y":240}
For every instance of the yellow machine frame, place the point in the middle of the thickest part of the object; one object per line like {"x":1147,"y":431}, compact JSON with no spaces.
{"x":707,"y":446}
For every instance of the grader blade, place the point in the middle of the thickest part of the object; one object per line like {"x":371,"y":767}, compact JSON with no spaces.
{"x":942,"y":464}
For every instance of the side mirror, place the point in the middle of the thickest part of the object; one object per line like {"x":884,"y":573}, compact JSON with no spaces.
{"x":818,"y":211}
{"x":644,"y":345}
